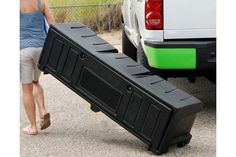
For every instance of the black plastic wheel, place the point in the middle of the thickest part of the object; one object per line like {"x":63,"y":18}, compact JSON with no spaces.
{"x":181,"y":144}
{"x":160,"y":152}
{"x":127,"y":47}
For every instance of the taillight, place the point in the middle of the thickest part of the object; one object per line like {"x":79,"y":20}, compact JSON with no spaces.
{"x":154,"y":14}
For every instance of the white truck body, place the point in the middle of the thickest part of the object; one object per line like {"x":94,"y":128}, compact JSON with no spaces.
{"x":189,"y":19}
{"x":183,"y":19}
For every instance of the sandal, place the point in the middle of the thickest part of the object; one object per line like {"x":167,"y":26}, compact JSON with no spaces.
{"x":27,"y":130}
{"x":45,"y":121}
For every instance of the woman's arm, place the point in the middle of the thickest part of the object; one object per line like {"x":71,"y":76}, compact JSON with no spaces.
{"x":48,"y":13}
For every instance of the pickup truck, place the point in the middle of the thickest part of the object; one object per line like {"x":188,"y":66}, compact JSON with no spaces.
{"x":172,"y":38}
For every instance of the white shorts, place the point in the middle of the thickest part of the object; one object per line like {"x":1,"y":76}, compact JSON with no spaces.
{"x":29,"y":58}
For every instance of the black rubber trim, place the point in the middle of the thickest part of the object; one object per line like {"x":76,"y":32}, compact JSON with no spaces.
{"x":182,"y":44}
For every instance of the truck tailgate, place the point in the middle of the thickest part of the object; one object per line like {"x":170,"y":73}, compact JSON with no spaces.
{"x":189,"y":19}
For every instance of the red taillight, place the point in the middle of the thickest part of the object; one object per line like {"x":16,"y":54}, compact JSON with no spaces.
{"x":154,"y":14}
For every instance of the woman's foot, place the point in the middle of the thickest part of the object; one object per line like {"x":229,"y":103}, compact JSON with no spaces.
{"x":45,"y":121}
{"x":30,"y":130}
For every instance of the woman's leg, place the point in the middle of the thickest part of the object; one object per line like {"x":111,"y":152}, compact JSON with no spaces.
{"x":29,"y":105}
{"x":39,"y":97}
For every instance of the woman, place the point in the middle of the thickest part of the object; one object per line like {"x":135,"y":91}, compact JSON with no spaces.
{"x":32,"y":36}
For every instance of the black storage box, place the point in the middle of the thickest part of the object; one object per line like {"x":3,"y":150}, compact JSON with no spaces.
{"x":146,"y":105}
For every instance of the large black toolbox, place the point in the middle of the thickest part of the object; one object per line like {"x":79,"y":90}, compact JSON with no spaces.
{"x":146,"y":105}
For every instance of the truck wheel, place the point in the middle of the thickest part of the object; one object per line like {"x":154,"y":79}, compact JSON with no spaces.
{"x":141,"y":57}
{"x":211,"y":76}
{"x":127,"y":47}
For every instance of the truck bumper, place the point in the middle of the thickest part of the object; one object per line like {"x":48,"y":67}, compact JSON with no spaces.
{"x":199,"y":55}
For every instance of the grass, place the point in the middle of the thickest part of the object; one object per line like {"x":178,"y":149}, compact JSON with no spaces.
{"x":77,"y":2}
{"x":95,"y":17}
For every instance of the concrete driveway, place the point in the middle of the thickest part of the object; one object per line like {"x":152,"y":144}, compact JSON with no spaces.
{"x":77,"y":131}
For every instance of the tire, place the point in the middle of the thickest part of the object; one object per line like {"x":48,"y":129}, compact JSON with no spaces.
{"x":127,"y":47}
{"x":211,"y":76}
{"x":142,"y":59}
